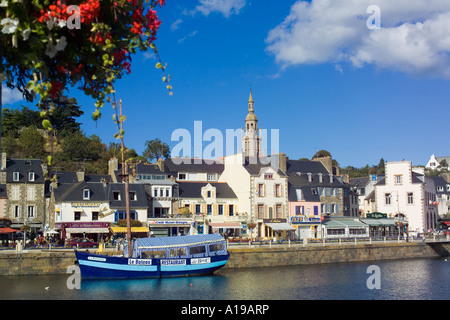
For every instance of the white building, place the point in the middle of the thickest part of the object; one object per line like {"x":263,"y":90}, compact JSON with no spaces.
{"x":262,"y":191}
{"x":435,"y":163}
{"x":407,"y":193}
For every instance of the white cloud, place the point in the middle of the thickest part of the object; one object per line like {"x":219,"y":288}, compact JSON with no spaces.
{"x":10,"y":96}
{"x":226,"y":7}
{"x":175,"y":25}
{"x":190,"y":35}
{"x":413,"y":38}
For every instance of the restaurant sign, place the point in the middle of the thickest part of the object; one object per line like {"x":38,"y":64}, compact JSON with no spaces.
{"x":376,"y":215}
{"x":86,"y":204}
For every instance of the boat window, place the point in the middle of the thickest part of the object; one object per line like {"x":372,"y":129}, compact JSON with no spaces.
{"x":216,"y":247}
{"x":197,"y":250}
{"x":153,"y":254}
{"x":177,"y":252}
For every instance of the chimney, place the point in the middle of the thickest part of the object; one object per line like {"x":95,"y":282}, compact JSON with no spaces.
{"x":327,"y":163}
{"x":282,"y":161}
{"x":113,"y":165}
{"x":160,"y":164}
{"x":3,"y":167}
{"x":80,"y":175}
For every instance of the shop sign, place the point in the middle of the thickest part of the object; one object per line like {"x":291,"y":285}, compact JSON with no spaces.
{"x":86,"y":204}
{"x":304,"y":219}
{"x":376,"y":215}
{"x":167,"y":222}
{"x":83,"y":225}
{"x":274,"y":220}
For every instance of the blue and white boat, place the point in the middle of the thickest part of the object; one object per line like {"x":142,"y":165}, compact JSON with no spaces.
{"x":159,"y":257}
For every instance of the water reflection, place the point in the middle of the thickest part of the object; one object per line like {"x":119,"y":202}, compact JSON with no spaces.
{"x":402,"y":279}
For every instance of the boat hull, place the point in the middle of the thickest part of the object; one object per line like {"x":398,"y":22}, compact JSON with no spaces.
{"x":110,"y":267}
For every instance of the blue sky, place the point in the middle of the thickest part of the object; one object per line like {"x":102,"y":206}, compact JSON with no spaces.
{"x":317,"y":74}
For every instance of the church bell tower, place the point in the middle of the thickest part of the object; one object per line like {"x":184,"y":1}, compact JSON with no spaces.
{"x":251,"y":138}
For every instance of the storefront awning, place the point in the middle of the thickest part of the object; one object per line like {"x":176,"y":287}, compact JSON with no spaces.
{"x":133,"y":229}
{"x":7,"y":230}
{"x":227,"y":225}
{"x":280,"y":226}
{"x":87,"y":230}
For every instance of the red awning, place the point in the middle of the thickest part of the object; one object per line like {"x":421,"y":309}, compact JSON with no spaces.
{"x":446,"y":223}
{"x":228,"y":225}
{"x":7,"y":230}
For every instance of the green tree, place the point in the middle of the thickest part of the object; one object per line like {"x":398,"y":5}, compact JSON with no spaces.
{"x":321,"y":154}
{"x":31,"y":143}
{"x":156,"y":149}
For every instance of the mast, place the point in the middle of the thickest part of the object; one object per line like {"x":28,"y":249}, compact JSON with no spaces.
{"x":125,"y":180}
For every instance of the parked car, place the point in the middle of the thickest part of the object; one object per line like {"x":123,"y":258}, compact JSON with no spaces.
{"x":83,"y":243}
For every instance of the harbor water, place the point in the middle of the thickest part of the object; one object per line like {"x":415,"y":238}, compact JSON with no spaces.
{"x":413,"y":279}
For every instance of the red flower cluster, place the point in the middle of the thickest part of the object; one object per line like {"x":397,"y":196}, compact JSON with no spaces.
{"x":89,"y":11}
{"x":57,"y":10}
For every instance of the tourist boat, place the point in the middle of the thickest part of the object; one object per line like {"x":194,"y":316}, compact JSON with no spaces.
{"x":159,"y":257}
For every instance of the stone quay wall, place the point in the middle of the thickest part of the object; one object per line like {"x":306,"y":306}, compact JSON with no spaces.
{"x":57,"y":261}
{"x":299,"y":255}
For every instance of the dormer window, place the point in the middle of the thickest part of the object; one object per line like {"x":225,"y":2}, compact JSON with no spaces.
{"x":31,"y":176}
{"x":86,"y":194}
{"x":16,"y":176}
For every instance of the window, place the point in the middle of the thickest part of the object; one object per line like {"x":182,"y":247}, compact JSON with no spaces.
{"x":216,"y":247}
{"x":231,"y":210}
{"x":261,"y":190}
{"x":268,"y":176}
{"x":197,"y":208}
{"x":31,"y":176}
{"x":208,"y":194}
{"x":387,"y":197}
{"x":167,"y":192}
{"x":316,"y":210}
{"x":209,"y":209}
{"x":94,"y":216}
{"x":15,"y":193}
{"x":16,"y":211}
{"x":260,"y":211}
{"x":16,"y":176}
{"x":211,"y":177}
{"x":31,"y":193}
{"x":132,"y":195}
{"x":155,"y":192}
{"x":161,"y":192}
{"x":220,"y":209}
{"x":116,"y":195}
{"x":410,"y":198}
{"x":182,"y":176}
{"x":398,"y":179}
{"x":197,"y":250}
{"x":279,"y":211}
{"x":77,"y":216}
{"x":299,"y":210}
{"x":86,"y":194}
{"x":278,"y":190}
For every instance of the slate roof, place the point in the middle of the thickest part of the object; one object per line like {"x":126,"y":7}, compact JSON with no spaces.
{"x":193,"y":189}
{"x":171,"y":165}
{"x":440,"y":182}
{"x":304,"y":166}
{"x":254,"y":165}
{"x":307,"y":193}
{"x":73,"y":192}
{"x":24,"y":166}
